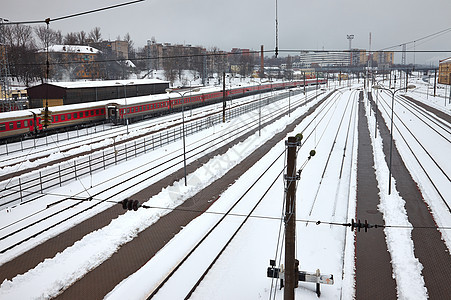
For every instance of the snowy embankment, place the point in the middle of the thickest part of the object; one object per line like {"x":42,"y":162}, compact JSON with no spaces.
{"x":406,"y":267}
{"x":55,"y":274}
{"x":240,"y":272}
{"x":434,"y":185}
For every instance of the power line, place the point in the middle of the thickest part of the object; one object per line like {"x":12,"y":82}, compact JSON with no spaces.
{"x":214,"y":54}
{"x":48,"y":20}
{"x":420,"y":39}
{"x":317,"y":222}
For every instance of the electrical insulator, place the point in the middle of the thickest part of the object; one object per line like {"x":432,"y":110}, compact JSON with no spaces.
{"x":130,"y":204}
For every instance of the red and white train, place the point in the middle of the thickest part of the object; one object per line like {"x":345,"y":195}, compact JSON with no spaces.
{"x":26,"y":122}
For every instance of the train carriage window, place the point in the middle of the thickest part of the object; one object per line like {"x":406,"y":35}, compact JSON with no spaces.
{"x":25,"y":123}
{"x":63,"y":117}
{"x":81,"y":115}
{"x":19,"y":124}
{"x":97,"y":112}
{"x":140,"y":108}
{"x":128,"y":110}
{"x":2,"y":127}
{"x":75,"y":115}
{"x":31,"y":122}
{"x":92,"y":112}
{"x":11,"y":126}
{"x":69,"y":116}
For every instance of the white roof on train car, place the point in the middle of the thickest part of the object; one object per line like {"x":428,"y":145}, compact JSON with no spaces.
{"x":122,"y":101}
{"x":104,"y":83}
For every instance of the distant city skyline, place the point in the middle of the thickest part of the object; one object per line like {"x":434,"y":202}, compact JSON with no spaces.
{"x":311,"y":25}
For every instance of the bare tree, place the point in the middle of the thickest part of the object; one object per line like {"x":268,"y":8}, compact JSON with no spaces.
{"x":58,"y":37}
{"x":21,"y":52}
{"x":95,"y":35}
{"x":70,"y":38}
{"x":288,"y":73}
{"x":218,"y":60}
{"x":18,"y":36}
{"x":246,"y":64}
{"x":131,"y":50}
{"x":82,"y":37}
{"x":49,"y":36}
{"x":169,"y":64}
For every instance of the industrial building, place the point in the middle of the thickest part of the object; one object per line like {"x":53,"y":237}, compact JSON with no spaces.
{"x":63,"y":93}
{"x":444,"y":71}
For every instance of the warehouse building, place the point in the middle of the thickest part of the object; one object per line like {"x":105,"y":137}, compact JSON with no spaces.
{"x":63,"y":93}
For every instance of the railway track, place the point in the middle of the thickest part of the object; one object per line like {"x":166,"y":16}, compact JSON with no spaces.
{"x":218,"y":237}
{"x":68,"y":170}
{"x":222,"y":234}
{"x":418,"y":183}
{"x":71,"y":288}
{"x":96,"y":142}
{"x":429,"y":161}
{"x":64,"y":209}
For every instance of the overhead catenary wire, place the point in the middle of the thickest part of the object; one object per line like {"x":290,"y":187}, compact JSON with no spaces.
{"x":438,"y":33}
{"x":262,"y":217}
{"x":48,"y":20}
{"x":212,"y":55}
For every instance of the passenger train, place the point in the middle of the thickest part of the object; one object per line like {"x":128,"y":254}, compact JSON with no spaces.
{"x":27,"y":122}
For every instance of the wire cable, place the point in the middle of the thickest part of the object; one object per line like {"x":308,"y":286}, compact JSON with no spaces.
{"x":48,"y":20}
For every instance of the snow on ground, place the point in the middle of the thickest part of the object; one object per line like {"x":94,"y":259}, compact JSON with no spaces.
{"x":241,"y":271}
{"x":406,"y":267}
{"x":31,"y":284}
{"x":424,"y":92}
{"x":437,"y":146}
{"x":108,"y":185}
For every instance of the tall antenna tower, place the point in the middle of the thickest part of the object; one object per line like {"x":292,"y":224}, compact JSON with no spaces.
{"x":4,"y":64}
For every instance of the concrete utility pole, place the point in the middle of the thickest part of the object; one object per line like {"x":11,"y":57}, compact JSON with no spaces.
{"x":350,"y":37}
{"x":291,"y":282}
{"x":290,"y":275}
{"x":223,"y":97}
{"x":435,"y":83}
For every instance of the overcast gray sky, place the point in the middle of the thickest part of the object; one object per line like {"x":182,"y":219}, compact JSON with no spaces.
{"x":313,"y":24}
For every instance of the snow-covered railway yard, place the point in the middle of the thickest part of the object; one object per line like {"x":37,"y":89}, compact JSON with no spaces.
{"x":326,"y":192}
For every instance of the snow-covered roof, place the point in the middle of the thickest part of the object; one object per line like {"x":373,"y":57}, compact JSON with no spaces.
{"x":446,"y":60}
{"x":130,"y":64}
{"x":72,"y":49}
{"x":104,"y":83}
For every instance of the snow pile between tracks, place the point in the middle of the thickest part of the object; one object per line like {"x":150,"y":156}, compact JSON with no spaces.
{"x":56,"y":274}
{"x":406,"y":267}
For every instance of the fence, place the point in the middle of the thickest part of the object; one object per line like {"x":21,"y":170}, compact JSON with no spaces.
{"x":56,"y":138}
{"x":31,"y":186}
